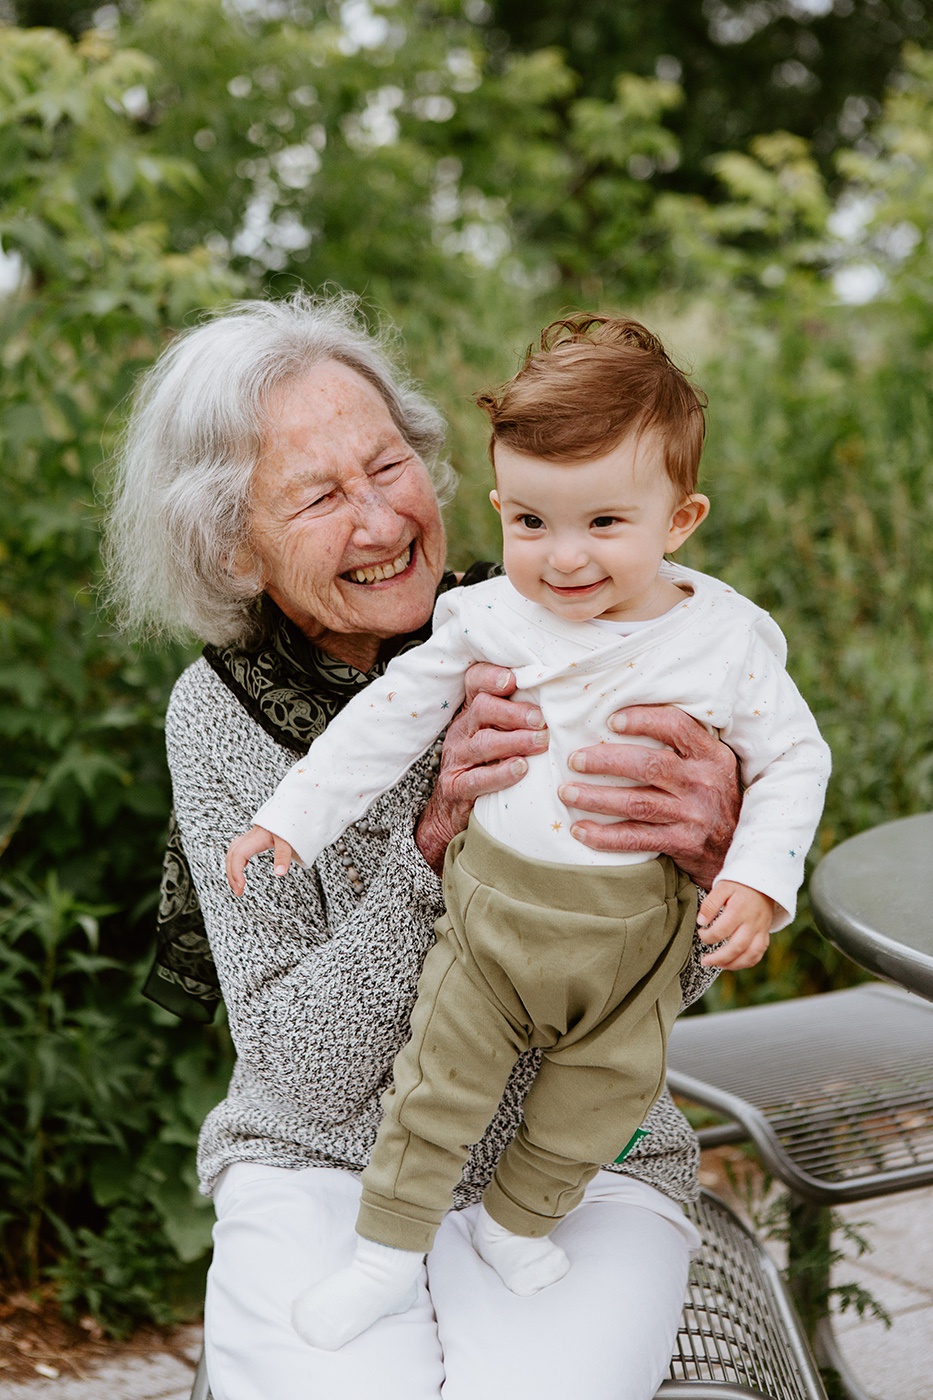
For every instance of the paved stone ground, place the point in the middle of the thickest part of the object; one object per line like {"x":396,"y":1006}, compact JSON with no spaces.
{"x":126,"y":1377}
{"x":891,"y":1364}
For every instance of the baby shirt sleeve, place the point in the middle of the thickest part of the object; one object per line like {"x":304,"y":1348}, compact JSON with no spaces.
{"x":784,"y":765}
{"x":374,"y":740}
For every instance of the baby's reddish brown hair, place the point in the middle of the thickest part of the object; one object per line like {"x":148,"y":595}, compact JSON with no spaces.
{"x":590,"y":382}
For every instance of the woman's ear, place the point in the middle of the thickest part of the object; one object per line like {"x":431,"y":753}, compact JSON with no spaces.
{"x":691,"y":512}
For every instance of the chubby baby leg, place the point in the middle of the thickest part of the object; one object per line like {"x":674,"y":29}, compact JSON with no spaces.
{"x":524,"y":1265}
{"x":380,"y":1281}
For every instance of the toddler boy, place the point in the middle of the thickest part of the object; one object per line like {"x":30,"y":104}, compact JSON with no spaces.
{"x":547,"y":942}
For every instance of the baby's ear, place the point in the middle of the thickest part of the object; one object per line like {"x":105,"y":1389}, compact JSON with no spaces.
{"x":691,"y":512}
{"x":494,"y":497}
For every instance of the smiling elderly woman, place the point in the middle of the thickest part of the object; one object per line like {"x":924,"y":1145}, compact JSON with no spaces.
{"x":278,"y":497}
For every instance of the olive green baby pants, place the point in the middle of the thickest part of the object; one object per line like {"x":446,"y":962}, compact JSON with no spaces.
{"x":581,"y":962}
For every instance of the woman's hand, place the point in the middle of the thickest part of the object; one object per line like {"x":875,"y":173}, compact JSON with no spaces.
{"x":485,"y":750}
{"x":685,"y":803}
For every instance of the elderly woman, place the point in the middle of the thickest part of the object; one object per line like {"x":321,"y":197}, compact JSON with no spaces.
{"x":278,"y":496}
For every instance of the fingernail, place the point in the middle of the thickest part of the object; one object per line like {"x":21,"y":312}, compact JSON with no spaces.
{"x":281,"y":870}
{"x":541,"y":741}
{"x":576,"y":763}
{"x":518,"y":768}
{"x":617,"y":722}
{"x":702,"y":921}
{"x":577,"y":831}
{"x":536,"y":720}
{"x":503,"y":679}
{"x":568,"y":793}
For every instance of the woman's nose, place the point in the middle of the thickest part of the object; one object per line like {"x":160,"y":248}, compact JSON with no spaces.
{"x":375,"y":521}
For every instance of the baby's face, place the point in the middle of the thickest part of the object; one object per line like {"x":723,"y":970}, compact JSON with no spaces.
{"x":586,"y":539}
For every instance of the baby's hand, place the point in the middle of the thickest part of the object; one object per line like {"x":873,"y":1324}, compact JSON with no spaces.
{"x":741,"y":915}
{"x":242,"y":850}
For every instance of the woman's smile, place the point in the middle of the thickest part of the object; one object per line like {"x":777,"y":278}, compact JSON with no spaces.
{"x":368,"y":574}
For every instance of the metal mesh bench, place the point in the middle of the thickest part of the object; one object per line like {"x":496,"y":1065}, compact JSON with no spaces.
{"x":739,"y":1337}
{"x":836,"y":1092}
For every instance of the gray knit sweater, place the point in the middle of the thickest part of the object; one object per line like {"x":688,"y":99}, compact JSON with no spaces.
{"x":318,"y":979}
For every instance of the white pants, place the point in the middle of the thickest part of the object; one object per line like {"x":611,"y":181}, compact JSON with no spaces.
{"x":605,"y":1331}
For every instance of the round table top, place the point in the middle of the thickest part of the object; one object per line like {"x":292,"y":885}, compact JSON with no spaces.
{"x":873,"y":898}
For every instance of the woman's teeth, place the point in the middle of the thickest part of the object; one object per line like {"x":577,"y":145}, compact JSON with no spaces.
{"x":381,"y":571}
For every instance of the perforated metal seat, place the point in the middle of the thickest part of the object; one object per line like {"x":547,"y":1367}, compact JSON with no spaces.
{"x":739,"y":1337}
{"x":836,"y":1092}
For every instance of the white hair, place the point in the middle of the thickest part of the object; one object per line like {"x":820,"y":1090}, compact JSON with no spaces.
{"x":177,"y":542}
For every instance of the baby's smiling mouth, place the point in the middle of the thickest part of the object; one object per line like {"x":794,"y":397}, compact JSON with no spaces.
{"x":577,"y":590}
{"x":377,"y":572}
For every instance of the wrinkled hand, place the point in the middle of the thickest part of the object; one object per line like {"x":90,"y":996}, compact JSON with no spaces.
{"x":242,"y":850}
{"x":738,"y":917}
{"x":485,"y":750}
{"x":685,"y":803}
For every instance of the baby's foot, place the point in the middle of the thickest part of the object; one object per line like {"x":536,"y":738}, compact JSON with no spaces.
{"x":524,"y":1265}
{"x":380,"y":1281}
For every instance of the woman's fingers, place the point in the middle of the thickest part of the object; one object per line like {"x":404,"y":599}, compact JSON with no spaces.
{"x":486,"y":749}
{"x":688,"y":792}
{"x":670,"y":726}
{"x":483,"y":676}
{"x":629,"y":804}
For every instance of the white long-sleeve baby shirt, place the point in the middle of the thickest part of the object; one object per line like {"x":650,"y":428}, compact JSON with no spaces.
{"x":716,"y":655}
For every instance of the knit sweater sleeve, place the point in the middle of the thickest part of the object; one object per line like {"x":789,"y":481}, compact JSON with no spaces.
{"x":318,"y":992}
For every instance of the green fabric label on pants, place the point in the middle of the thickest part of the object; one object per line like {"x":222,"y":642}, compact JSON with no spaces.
{"x":636,"y":1138}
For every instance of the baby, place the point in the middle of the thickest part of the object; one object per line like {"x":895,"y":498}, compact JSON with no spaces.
{"x":546,"y":942}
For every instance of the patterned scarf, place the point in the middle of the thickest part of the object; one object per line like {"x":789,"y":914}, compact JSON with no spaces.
{"x":293,"y":690}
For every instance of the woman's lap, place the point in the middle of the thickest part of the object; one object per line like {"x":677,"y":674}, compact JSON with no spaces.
{"x":606,"y":1330}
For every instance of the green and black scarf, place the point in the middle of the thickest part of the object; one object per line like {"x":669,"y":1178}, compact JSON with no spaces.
{"x":293,"y":690}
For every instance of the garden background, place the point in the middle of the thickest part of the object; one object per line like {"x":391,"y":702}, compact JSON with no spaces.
{"x":753,"y":178}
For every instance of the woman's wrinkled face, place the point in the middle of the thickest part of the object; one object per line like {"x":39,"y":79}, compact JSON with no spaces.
{"x":346,"y":525}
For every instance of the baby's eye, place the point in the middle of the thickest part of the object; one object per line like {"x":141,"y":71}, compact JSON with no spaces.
{"x":602,"y":522}
{"x":531,"y":522}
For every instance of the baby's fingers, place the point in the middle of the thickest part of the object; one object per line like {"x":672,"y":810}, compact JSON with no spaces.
{"x":282,"y":857}
{"x":716,"y":920}
{"x":744,"y":948}
{"x":241,"y":851}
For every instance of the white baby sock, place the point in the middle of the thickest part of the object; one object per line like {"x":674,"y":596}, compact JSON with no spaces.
{"x":524,"y":1265}
{"x":379,"y":1282}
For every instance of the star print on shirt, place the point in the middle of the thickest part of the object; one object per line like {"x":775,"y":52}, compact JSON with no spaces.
{"x":445,"y":705}
{"x":556,"y":826}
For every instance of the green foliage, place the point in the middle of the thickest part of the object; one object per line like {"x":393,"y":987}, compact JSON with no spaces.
{"x":100,"y":1120}
{"x":195,"y":152}
{"x":816,"y":70}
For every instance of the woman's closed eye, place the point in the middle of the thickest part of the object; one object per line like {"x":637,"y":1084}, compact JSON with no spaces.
{"x":387,"y":469}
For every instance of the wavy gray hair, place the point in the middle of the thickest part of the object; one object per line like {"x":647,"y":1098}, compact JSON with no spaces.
{"x":178,"y":530}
